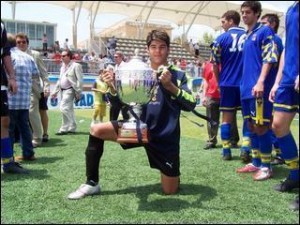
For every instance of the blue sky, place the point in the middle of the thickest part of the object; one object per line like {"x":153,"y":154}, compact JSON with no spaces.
{"x":63,"y":18}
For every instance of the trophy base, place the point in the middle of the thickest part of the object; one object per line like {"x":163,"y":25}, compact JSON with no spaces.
{"x":130,"y":136}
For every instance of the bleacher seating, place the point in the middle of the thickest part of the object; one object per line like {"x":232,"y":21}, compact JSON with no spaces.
{"x":127,"y":46}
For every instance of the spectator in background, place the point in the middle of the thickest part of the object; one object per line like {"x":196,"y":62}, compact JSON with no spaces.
{"x":45,"y":42}
{"x":56,"y":46}
{"x":26,"y":70}
{"x":196,"y":49}
{"x":57,"y":57}
{"x":183,"y":64}
{"x":190,"y":68}
{"x":101,"y":62}
{"x":8,"y":83}
{"x":111,"y":45}
{"x":77,"y":56}
{"x":66,"y":44}
{"x":211,"y":101}
{"x":69,"y":84}
{"x":99,"y":88}
{"x":117,"y":105}
{"x":39,"y":94}
{"x":93,"y":62}
{"x":191,"y":46}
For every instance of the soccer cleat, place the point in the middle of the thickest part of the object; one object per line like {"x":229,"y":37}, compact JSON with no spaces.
{"x":227,"y":157}
{"x":84,"y":190}
{"x":15,"y":168}
{"x":36,"y":144}
{"x":249,"y":168}
{"x":209,"y":146}
{"x":245,"y":157}
{"x":25,"y":158}
{"x":61,"y":133}
{"x":263,"y":173}
{"x":287,"y":185}
{"x":277,"y":160}
{"x":45,"y":138}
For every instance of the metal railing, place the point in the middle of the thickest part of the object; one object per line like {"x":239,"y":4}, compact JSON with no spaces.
{"x":53,"y":66}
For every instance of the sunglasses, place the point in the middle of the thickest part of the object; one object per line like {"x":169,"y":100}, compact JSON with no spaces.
{"x":63,"y":55}
{"x":21,"y":42}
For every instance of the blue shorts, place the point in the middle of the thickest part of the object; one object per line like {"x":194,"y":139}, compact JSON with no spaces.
{"x":230,"y":98}
{"x":286,"y":99}
{"x":259,"y":111}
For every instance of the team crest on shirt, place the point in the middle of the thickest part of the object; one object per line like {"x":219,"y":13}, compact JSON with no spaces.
{"x":253,"y":37}
{"x":153,"y":94}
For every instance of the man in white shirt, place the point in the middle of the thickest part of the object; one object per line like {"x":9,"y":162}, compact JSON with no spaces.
{"x":70,"y":86}
{"x":116,"y":107}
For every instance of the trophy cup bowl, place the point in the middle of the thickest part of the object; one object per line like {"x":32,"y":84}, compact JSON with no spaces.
{"x":134,"y":81}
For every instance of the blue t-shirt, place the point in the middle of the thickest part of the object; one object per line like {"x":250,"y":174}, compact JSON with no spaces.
{"x":291,"y":63}
{"x":259,"y":48}
{"x":279,"y":46}
{"x":227,"y":51}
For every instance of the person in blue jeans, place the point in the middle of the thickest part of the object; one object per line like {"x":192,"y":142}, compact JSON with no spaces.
{"x":26,"y":70}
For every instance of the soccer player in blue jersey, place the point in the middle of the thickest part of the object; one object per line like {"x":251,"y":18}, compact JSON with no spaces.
{"x":272,"y":20}
{"x":227,"y":55}
{"x":259,"y":55}
{"x":161,"y":114}
{"x":285,"y":94}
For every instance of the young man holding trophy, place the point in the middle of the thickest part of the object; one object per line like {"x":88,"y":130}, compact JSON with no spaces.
{"x":155,"y":125}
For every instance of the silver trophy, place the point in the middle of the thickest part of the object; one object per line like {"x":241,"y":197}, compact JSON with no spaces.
{"x":134,"y":81}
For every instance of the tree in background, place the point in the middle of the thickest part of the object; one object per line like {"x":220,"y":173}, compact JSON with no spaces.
{"x":208,"y":38}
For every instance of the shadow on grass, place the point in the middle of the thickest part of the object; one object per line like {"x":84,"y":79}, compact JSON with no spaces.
{"x":167,"y":203}
{"x":80,"y":133}
{"x":280,"y":172}
{"x":52,"y":142}
{"x":44,"y":160}
{"x":33,"y":175}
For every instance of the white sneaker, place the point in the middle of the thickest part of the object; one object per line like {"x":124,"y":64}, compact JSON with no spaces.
{"x":84,"y":190}
{"x":36,"y":144}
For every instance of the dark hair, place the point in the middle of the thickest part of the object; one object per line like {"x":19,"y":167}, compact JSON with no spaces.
{"x":22,"y":36}
{"x":272,"y":18}
{"x":255,"y":6}
{"x":158,"y":35}
{"x":232,"y":15}
{"x":69,"y":53}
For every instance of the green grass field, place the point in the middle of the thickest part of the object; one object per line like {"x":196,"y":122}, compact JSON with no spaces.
{"x":211,"y":191}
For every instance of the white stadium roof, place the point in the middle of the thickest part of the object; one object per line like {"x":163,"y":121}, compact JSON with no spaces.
{"x":179,"y":12}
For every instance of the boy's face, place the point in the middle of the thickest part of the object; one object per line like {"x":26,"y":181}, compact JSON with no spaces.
{"x":248,"y":16}
{"x":226,"y":24}
{"x":158,"y":52}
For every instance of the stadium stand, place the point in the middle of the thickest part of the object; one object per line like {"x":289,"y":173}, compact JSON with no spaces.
{"x":127,"y":46}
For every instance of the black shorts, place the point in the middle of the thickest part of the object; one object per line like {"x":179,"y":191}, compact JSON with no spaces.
{"x":43,"y":102}
{"x":4,"y":104}
{"x":167,"y":163}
